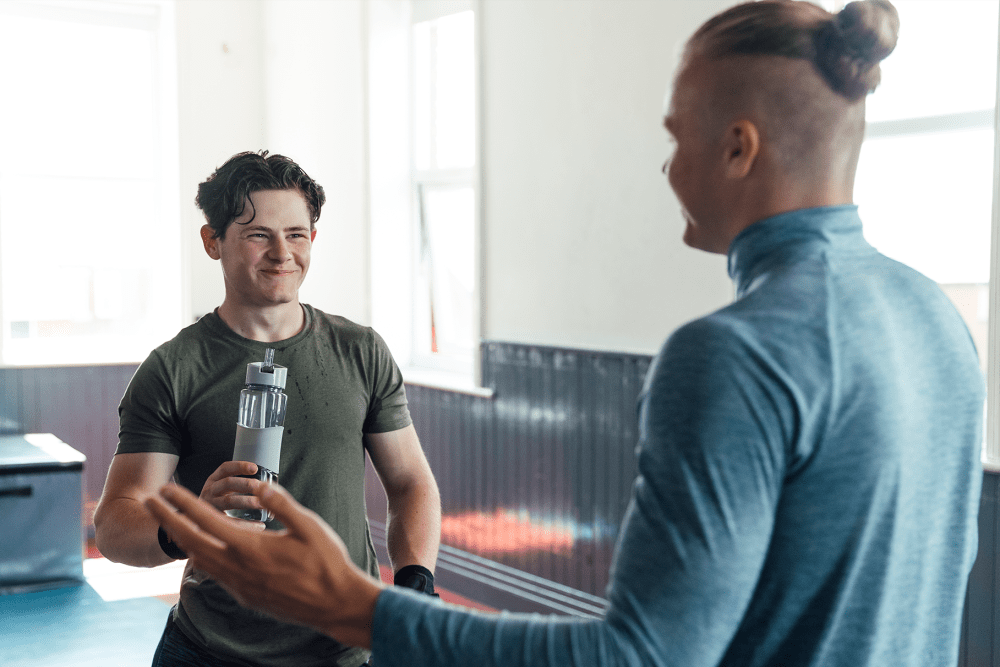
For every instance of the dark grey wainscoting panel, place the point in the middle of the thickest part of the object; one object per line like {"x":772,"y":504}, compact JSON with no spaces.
{"x":78,"y":404}
{"x":536,"y":478}
{"x":979,"y":623}
{"x":565,"y":431}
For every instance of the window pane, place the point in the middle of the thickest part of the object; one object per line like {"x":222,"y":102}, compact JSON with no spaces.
{"x":80,"y":278}
{"x":455,"y":100}
{"x":945,"y":60}
{"x":423,"y":119}
{"x":89,"y":264}
{"x":926,"y":200}
{"x":94,"y":113}
{"x":444,"y":300}
{"x":444,"y":93}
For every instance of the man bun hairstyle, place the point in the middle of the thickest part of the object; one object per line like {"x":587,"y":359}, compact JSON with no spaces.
{"x":224,"y":195}
{"x":850,"y":47}
{"x":845,"y":48}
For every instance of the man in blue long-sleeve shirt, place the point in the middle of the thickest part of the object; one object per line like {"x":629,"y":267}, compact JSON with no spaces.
{"x":809,"y":456}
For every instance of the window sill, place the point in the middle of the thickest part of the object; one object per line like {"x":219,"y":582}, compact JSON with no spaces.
{"x":454,"y":382}
{"x":70,"y":364}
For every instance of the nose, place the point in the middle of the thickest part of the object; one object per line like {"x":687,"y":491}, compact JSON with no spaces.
{"x":279,"y":249}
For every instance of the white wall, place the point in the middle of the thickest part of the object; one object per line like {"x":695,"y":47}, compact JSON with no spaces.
{"x":582,"y":235}
{"x":581,"y":232}
{"x":221,"y":112}
{"x":313,"y":78}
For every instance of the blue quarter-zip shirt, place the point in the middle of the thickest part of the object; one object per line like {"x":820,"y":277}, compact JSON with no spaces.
{"x":809,"y":479}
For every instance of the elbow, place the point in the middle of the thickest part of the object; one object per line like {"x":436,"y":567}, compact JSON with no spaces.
{"x":419,"y":494}
{"x":428,"y":485}
{"x":101,"y":527}
{"x":107,"y":532}
{"x":427,"y":490}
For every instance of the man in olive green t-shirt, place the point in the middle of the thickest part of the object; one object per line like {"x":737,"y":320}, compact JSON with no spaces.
{"x":345,"y":397}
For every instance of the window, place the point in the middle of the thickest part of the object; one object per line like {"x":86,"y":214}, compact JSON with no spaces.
{"x":444,"y":155}
{"x":87,"y":182}
{"x":924,"y":185}
{"x":425,"y":223}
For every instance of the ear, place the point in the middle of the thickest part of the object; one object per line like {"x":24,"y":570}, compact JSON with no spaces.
{"x":312,"y":234}
{"x":211,"y":244}
{"x":742,"y":148}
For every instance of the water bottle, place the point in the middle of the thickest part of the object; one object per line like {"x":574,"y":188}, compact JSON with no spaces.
{"x":259,"y":425}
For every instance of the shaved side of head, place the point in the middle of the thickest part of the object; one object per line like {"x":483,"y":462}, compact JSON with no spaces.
{"x":810,"y":130}
{"x":799,"y":73}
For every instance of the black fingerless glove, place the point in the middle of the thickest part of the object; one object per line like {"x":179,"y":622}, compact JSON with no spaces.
{"x":169,"y":546}
{"x":417,"y":577}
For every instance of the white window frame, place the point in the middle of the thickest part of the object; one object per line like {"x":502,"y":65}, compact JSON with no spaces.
{"x":991,"y":446}
{"x":157,"y":16}
{"x":394,"y":212}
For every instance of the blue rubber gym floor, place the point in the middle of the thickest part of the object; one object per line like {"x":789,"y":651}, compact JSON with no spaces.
{"x":75,"y":626}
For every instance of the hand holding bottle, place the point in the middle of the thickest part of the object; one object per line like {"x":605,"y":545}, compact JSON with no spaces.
{"x":233,"y":487}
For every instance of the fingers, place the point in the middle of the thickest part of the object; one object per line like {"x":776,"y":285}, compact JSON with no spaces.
{"x":248,"y":526}
{"x":199,"y":512}
{"x":226,"y":488}
{"x":214,"y":542}
{"x":186,"y":533}
{"x":296,"y":518}
{"x":197,"y":516}
{"x":232,"y":469}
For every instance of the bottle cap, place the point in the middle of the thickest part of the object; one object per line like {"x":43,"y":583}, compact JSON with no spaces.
{"x":276,"y":378}
{"x":267,"y":372}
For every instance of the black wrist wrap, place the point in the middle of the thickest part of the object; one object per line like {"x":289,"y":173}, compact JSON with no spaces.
{"x":417,"y":577}
{"x":169,"y":546}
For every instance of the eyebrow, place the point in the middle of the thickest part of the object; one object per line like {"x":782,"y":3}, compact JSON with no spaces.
{"x":264,"y":228}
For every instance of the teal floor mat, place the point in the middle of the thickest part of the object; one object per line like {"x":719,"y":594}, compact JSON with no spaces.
{"x":74,"y":626}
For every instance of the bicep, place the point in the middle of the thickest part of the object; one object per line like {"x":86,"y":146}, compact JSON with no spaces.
{"x":138,"y":475}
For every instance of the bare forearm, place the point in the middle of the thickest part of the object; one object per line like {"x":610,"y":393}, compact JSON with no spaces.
{"x":126,"y":533}
{"x":414,"y":526}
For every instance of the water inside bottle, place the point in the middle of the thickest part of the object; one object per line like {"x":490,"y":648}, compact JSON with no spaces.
{"x":262,"y":407}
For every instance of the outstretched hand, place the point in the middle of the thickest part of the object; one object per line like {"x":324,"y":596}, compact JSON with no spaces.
{"x":302,"y":574}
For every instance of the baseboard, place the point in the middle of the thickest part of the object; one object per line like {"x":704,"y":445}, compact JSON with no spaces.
{"x":500,"y":586}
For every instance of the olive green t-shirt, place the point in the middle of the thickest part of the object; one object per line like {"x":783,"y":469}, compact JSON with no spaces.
{"x":342,"y":384}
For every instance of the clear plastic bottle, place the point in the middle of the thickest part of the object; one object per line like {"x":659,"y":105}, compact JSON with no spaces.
{"x":259,"y":425}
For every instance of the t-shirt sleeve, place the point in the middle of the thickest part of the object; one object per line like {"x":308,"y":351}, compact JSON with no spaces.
{"x":387,"y":407}
{"x":147,"y":415}
{"x":713,"y":419}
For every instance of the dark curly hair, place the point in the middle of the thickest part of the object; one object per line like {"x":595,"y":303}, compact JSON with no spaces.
{"x":224,"y":195}
{"x":845,"y":48}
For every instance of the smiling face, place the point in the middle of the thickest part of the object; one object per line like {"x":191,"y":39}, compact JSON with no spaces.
{"x":694,"y":170}
{"x":265,"y":252}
